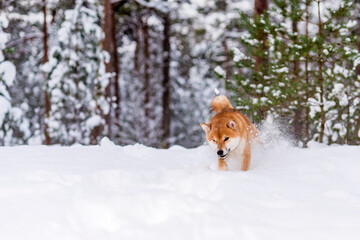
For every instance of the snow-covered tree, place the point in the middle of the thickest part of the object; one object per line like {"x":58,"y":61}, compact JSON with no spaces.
{"x":202,"y":34}
{"x":7,"y":75}
{"x":9,"y":115}
{"x":141,"y":76}
{"x":285,"y":61}
{"x":335,"y":105}
{"x":77,"y":78}
{"x":308,"y":79}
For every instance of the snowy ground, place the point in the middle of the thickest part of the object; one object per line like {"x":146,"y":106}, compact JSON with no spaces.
{"x":136,"y":192}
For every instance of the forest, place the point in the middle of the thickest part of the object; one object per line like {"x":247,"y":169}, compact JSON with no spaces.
{"x":144,"y":71}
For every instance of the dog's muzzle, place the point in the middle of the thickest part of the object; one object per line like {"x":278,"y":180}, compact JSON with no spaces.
{"x":221,"y":154}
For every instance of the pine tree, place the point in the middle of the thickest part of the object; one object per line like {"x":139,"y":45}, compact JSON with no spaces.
{"x":308,"y":80}
{"x":23,"y":49}
{"x":7,"y":76}
{"x":139,"y":51}
{"x":77,"y":78}
{"x":196,"y":51}
{"x":259,"y":85}
{"x":338,"y":91}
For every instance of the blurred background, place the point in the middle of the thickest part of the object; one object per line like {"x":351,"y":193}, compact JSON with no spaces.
{"x":144,"y":71}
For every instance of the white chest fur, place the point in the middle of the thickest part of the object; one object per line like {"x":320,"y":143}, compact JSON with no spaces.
{"x":234,"y":159}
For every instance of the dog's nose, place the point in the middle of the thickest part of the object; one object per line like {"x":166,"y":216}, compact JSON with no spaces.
{"x":220,"y":152}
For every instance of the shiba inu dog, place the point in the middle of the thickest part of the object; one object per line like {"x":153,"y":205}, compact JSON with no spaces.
{"x":230,"y":133}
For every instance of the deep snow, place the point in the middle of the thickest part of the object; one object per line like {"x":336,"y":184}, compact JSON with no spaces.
{"x":136,"y":192}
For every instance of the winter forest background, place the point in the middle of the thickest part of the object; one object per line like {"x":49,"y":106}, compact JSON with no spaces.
{"x":138,"y":71}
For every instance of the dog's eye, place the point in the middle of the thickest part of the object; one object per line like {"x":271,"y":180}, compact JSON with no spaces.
{"x":214,"y":140}
{"x":225,"y":139}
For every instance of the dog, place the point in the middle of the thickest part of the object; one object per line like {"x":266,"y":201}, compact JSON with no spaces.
{"x":230,"y":133}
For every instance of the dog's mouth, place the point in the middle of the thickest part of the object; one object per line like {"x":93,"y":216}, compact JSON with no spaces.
{"x":225,"y":155}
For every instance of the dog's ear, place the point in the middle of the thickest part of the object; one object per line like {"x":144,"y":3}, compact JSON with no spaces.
{"x":206,"y":127}
{"x":231,"y":124}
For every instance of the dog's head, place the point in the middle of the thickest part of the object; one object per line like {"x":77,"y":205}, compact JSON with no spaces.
{"x":222,"y":136}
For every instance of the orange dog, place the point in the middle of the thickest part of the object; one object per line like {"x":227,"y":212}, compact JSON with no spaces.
{"x":229,"y":133}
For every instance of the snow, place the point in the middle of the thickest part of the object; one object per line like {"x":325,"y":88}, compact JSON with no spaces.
{"x":93,"y":122}
{"x":341,"y":70}
{"x":7,"y":72}
{"x":351,"y":24}
{"x":282,"y":70}
{"x":5,"y":106}
{"x":238,"y":55}
{"x":220,"y":71}
{"x":137,"y":192}
{"x":356,"y":63}
{"x":344,"y":32}
{"x":188,"y":10}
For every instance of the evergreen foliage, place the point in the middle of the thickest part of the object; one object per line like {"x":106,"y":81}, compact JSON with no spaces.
{"x":307,"y":77}
{"x":11,"y":127}
{"x":298,"y":61}
{"x":77,"y":78}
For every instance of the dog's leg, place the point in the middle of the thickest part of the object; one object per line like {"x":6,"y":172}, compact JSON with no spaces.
{"x":246,"y":157}
{"x":222,"y":165}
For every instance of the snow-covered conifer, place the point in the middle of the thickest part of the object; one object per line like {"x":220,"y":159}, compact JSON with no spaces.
{"x":8,"y":114}
{"x":77,"y":78}
{"x":309,"y":77}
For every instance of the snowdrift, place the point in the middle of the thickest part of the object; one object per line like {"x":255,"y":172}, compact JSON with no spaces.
{"x":136,"y":192}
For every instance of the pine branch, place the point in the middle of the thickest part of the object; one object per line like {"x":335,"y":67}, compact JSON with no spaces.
{"x":159,"y":7}
{"x":25,"y":38}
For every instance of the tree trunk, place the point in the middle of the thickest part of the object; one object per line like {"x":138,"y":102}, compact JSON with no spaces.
{"x":358,"y":47}
{"x":307,"y":80}
{"x":348,"y":137}
{"x":357,"y":129}
{"x":136,"y":69}
{"x":357,"y":125}
{"x":227,"y":61}
{"x":146,"y":49}
{"x":109,"y":45}
{"x":260,"y":6}
{"x":166,"y":83}
{"x":137,"y":38}
{"x":297,"y":124}
{"x":321,"y":81}
{"x":116,"y":65}
{"x":47,"y":105}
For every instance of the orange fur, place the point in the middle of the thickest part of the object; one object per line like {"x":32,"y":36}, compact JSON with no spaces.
{"x":227,"y":127}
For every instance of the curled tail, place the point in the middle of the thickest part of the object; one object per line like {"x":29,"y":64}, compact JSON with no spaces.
{"x":220,"y":103}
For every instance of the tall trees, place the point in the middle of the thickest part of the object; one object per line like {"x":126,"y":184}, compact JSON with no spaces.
{"x":309,"y":77}
{"x":280,"y":60}
{"x":7,"y":75}
{"x":168,"y":55}
{"x":77,"y":78}
{"x":165,"y":70}
{"x":295,"y":16}
{"x":12,"y":125}
{"x":341,"y":94}
{"x":142,"y":71}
